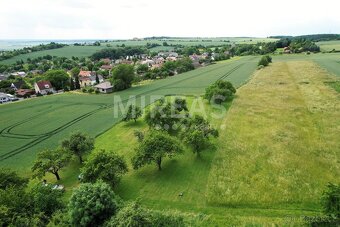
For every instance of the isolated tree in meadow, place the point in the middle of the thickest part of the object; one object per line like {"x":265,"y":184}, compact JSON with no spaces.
{"x":122,"y":77}
{"x":154,"y":148}
{"x":50,"y":161}
{"x":133,"y":113}
{"x":92,"y":204}
{"x":78,"y":144}
{"x":197,"y":133}
{"x":165,"y":115}
{"x":219,"y":92}
{"x":106,"y":166}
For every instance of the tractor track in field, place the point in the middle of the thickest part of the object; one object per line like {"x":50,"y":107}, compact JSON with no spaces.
{"x":38,"y":138}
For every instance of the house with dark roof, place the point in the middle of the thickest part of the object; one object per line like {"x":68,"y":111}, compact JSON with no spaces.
{"x":43,"y":87}
{"x":17,"y":85}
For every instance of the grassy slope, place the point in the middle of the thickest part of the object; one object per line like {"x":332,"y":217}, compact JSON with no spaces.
{"x":329,"y":45}
{"x":40,"y":118}
{"x":259,"y":181}
{"x":281,"y":146}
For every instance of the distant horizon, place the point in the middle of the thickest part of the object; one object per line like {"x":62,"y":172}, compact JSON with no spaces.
{"x":160,"y":36}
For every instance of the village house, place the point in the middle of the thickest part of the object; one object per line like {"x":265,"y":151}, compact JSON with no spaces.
{"x":88,"y":78}
{"x":17,"y":85}
{"x":43,"y":87}
{"x":21,"y":74}
{"x":106,"y":67}
{"x":2,"y":77}
{"x":24,"y":92}
{"x":106,"y":61}
{"x":104,"y":87}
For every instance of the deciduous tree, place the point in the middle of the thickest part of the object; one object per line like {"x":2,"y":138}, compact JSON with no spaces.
{"x":154,"y":148}
{"x":106,"y":166}
{"x":79,"y":144}
{"x":50,"y":161}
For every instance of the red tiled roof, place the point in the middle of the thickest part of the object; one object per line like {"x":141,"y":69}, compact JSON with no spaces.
{"x":44,"y":84}
{"x":84,"y":73}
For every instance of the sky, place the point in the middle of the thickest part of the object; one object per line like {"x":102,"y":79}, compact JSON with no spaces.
{"x":126,"y":19}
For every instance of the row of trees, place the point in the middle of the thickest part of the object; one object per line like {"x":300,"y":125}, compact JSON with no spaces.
{"x":9,"y":54}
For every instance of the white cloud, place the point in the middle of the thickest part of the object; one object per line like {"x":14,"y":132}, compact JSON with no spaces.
{"x":83,"y":19}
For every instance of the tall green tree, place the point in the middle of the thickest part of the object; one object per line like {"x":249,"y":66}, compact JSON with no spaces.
{"x":78,"y":144}
{"x":92,"y":204}
{"x":133,"y":113}
{"x":72,"y":87}
{"x":122,"y":77}
{"x":154,"y":148}
{"x":197,"y":133}
{"x":50,"y":161}
{"x":106,"y":166}
{"x":58,"y":78}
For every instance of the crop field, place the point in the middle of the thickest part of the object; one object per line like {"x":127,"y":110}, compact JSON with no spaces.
{"x":195,"y":41}
{"x":277,"y":150}
{"x":329,"y":45}
{"x":32,"y":125}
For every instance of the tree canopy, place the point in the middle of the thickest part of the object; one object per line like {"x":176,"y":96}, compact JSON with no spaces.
{"x":106,"y":166}
{"x":154,"y":148}
{"x":197,"y":133}
{"x":122,"y":77}
{"x":91,"y":204}
{"x":58,"y":78}
{"x":133,"y":113}
{"x":79,"y":144}
{"x":219,"y":92}
{"x":50,"y":161}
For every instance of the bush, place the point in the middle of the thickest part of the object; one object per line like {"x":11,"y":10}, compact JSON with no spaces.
{"x":92,"y":204}
{"x":331,"y":201}
{"x":90,"y":90}
{"x":263,"y":61}
{"x":84,"y":90}
{"x":220,"y":91}
{"x":97,"y":91}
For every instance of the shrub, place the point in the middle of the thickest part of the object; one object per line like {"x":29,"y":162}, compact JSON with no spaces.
{"x":92,"y":204}
{"x":84,"y":90}
{"x":90,"y":90}
{"x":97,"y":91}
{"x":220,"y":91}
{"x":263,"y":61}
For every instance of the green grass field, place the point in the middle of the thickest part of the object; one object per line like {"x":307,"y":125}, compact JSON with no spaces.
{"x":276,"y":152}
{"x":32,"y":125}
{"x":278,"y":144}
{"x":329,"y":45}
